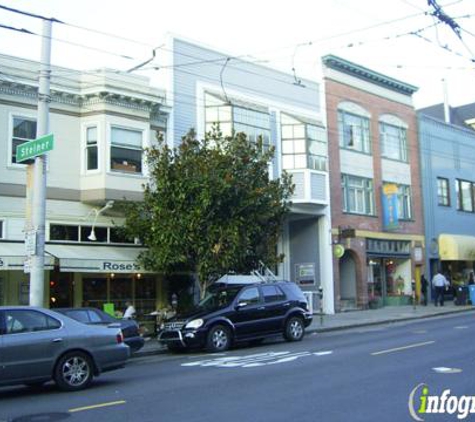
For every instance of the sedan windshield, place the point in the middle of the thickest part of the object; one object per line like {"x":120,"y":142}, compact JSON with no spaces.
{"x":216,"y":299}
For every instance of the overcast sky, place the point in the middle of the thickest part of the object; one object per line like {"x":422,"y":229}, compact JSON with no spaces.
{"x":378,"y":34}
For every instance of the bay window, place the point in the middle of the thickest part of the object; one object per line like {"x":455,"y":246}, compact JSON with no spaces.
{"x":126,"y":150}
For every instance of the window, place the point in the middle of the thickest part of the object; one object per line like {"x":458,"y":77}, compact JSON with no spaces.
{"x":24,"y":130}
{"x":353,"y":132}
{"x":250,"y":296}
{"x":393,"y":142}
{"x":126,"y":150}
{"x":73,"y":233}
{"x":404,"y":202}
{"x":443,"y":192}
{"x":272,"y":294}
{"x":91,"y":148}
{"x":464,"y":191}
{"x":302,"y":145}
{"x":358,"y":196}
{"x":63,"y":232}
{"x":1,"y":229}
{"x":22,"y":321}
{"x":238,"y":118}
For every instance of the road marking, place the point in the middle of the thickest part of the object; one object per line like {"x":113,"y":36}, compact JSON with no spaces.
{"x":254,"y":360}
{"x":97,"y":406}
{"x":461,"y":327}
{"x":397,"y":349}
{"x":420,"y":332}
{"x":444,"y":370}
{"x":327,"y":352}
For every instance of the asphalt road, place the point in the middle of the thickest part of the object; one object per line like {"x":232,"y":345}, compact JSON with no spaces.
{"x":354,"y":375}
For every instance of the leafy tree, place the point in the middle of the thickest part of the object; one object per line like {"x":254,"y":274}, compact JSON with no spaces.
{"x":209,"y":207}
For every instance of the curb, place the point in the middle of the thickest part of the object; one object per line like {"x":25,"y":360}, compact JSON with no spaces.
{"x":312,"y":330}
{"x":324,"y":329}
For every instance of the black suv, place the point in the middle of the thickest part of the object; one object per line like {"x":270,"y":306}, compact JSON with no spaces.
{"x":233,"y":313}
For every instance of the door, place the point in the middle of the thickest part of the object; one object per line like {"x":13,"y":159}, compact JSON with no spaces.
{"x":249,"y":313}
{"x":31,"y":343}
{"x":276,"y":306}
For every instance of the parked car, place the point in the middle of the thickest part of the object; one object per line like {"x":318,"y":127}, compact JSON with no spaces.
{"x":232,"y":313}
{"x":38,"y":345}
{"x":94,"y":316}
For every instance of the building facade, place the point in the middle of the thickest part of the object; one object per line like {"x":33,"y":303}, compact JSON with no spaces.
{"x":377,"y":220}
{"x":207,"y":87}
{"x":101,"y":121}
{"x":448,"y":181}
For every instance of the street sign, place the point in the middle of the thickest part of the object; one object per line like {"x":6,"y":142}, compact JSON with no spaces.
{"x":30,"y":243}
{"x":34,"y":148}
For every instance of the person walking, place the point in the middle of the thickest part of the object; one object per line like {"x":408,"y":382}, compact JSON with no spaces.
{"x":440,"y":284}
{"x":424,"y":289}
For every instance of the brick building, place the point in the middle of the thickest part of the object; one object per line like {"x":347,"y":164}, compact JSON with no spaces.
{"x":375,"y":186}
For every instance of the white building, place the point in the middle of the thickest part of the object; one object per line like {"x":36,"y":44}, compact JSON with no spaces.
{"x":101,"y":120}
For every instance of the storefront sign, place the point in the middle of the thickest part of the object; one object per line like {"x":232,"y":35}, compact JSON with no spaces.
{"x":305,"y":273}
{"x":390,"y":206}
{"x":120,"y":267}
{"x":338,"y":251}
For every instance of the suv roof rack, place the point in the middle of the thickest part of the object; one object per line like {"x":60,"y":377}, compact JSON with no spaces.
{"x":260,"y":275}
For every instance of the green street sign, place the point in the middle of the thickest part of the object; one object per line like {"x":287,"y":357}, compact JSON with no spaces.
{"x":34,"y":148}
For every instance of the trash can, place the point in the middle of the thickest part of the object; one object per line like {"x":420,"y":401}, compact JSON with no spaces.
{"x":461,"y":294}
{"x":471,"y":292}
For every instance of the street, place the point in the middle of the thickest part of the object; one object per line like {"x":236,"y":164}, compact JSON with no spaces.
{"x":362,"y":374}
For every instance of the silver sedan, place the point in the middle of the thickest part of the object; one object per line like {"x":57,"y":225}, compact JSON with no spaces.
{"x":38,"y":345}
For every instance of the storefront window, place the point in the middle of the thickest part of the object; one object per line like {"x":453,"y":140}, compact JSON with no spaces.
{"x":1,"y":291}
{"x":94,"y":292}
{"x":145,"y":293}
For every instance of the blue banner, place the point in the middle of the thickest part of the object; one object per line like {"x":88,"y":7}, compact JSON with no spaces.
{"x":390,"y":207}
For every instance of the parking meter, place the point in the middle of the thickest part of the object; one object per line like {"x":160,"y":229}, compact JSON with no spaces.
{"x":320,"y":295}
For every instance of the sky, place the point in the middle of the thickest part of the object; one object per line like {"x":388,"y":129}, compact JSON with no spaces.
{"x":398,"y":38}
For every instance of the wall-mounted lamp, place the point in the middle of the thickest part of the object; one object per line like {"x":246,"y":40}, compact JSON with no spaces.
{"x":92,"y":235}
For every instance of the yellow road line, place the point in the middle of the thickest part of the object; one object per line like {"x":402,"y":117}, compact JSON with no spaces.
{"x":97,"y":406}
{"x":397,"y":349}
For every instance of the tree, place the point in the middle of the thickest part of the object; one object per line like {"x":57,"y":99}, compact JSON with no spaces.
{"x":209,"y":207}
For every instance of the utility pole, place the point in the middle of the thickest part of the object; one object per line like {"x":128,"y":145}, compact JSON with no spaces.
{"x":38,"y":192}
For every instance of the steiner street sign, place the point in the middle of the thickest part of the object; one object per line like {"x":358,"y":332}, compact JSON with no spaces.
{"x":34,"y":148}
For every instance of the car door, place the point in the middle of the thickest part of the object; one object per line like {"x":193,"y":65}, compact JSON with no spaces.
{"x":249,"y":313}
{"x":276,"y":306}
{"x":31,"y":342}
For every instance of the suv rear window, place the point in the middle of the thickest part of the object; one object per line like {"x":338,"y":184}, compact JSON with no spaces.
{"x":293,"y":291}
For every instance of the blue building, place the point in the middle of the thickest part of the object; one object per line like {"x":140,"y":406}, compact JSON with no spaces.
{"x":448,"y":182}
{"x":207,"y":87}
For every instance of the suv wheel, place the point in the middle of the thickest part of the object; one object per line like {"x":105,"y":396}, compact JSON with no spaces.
{"x":74,"y":371}
{"x":294,"y":329}
{"x":219,"y":339}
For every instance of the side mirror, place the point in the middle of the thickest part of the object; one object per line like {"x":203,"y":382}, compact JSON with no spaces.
{"x":241,"y":305}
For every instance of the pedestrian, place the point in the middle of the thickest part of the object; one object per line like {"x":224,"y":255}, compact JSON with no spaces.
{"x":471,"y":280}
{"x":440,"y":284}
{"x":129,"y":310}
{"x":424,"y":289}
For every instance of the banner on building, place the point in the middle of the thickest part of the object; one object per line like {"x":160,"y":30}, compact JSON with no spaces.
{"x":390,"y":206}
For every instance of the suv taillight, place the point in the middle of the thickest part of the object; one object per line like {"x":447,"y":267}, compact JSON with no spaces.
{"x":120,"y":337}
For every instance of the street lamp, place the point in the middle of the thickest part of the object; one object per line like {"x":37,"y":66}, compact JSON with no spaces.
{"x":92,"y":235}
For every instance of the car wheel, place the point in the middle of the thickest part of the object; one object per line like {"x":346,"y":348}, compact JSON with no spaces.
{"x":219,"y":339}
{"x":74,"y":371}
{"x":294,"y":329}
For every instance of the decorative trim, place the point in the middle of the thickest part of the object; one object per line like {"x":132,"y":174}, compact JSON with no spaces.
{"x":360,"y":72}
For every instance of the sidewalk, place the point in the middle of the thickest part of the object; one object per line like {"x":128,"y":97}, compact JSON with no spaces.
{"x":352,"y":319}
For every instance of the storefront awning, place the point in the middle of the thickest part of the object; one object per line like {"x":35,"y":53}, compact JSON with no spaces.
{"x":12,"y":257}
{"x":456,"y":247}
{"x":96,"y":259}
